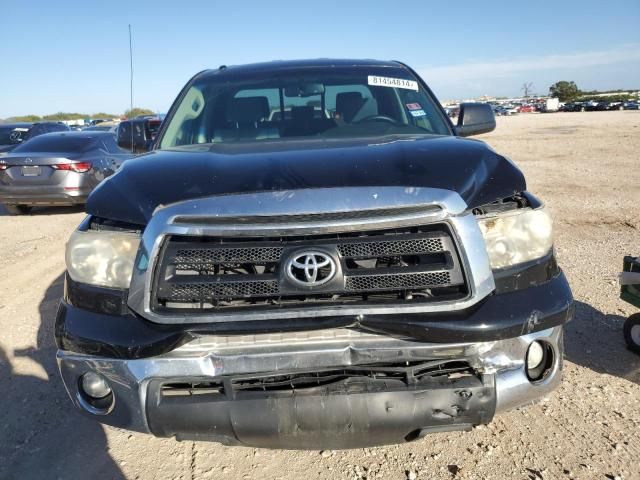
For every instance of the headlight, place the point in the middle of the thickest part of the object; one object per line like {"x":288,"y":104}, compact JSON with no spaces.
{"x":102,"y":258}
{"x":517,"y":236}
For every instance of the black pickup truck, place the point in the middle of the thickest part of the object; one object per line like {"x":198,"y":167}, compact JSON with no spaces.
{"x":312,"y":256}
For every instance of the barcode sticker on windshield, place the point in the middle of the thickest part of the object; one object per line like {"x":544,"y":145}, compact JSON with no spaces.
{"x":392,"y":82}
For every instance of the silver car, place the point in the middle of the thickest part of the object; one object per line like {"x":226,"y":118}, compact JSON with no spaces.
{"x":57,"y":169}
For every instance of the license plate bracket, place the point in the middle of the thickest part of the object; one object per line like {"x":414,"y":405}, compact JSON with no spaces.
{"x":31,"y":171}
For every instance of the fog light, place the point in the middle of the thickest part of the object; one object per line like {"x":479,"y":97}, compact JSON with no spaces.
{"x":535,"y":355}
{"x":95,"y":385}
{"x":539,"y":360}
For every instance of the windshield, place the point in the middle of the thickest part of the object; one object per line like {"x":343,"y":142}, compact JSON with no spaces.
{"x":12,"y":135}
{"x":55,"y":144}
{"x":304,"y":103}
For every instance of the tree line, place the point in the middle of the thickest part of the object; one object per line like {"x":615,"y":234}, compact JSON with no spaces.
{"x":59,"y":116}
{"x":568,"y":91}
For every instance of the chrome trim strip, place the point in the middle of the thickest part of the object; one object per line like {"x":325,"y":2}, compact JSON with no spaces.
{"x":440,"y":206}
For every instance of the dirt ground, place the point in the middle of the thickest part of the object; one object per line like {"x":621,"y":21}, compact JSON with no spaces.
{"x":586,"y":166}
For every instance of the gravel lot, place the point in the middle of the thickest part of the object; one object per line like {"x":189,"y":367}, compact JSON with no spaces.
{"x":584,"y":165}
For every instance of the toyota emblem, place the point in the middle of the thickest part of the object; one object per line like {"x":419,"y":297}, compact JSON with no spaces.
{"x":310,"y":269}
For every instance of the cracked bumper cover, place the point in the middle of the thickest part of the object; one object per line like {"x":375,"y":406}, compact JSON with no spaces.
{"x":345,"y":415}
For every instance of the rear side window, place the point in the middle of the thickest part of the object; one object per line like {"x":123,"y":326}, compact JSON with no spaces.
{"x":56,"y":144}
{"x":12,"y":135}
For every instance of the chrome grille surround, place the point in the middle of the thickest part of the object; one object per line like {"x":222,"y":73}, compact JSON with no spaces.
{"x":283,"y":214}
{"x":213,"y":273}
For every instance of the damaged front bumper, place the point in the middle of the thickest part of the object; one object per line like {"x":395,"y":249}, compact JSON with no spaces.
{"x":334,"y":388}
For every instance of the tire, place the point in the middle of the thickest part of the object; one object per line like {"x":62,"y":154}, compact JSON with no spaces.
{"x":631,"y":331}
{"x":18,"y":209}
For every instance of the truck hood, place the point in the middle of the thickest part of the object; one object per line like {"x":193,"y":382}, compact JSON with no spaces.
{"x":469,"y":167}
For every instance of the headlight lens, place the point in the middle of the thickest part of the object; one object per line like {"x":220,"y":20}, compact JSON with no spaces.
{"x":516,"y":237}
{"x":102,"y":258}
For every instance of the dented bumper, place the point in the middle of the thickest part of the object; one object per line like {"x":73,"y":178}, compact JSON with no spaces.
{"x":214,"y":387}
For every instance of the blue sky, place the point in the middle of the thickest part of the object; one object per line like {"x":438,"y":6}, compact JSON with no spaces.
{"x":73,"y":56}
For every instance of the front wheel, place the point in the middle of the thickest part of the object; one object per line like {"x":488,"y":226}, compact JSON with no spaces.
{"x":18,"y":209}
{"x":631,"y":331}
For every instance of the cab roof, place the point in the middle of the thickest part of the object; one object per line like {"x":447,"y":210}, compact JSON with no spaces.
{"x":278,"y":65}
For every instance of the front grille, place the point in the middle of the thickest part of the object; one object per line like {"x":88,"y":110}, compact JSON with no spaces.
{"x":406,"y":265}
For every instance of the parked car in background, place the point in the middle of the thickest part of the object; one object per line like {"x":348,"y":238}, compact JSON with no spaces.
{"x":614,"y":106}
{"x":13,"y":134}
{"x":506,"y":110}
{"x":106,"y":126}
{"x":57,"y":169}
{"x":137,"y":135}
{"x":452,"y":110}
{"x":593,"y":106}
{"x":631,"y":105}
{"x":157,"y":116}
{"x":526,"y":108}
{"x":574,"y":107}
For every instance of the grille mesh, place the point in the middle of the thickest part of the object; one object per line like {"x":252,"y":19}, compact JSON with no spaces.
{"x":358,"y":283}
{"x":202,"y":257}
{"x":210,"y":291}
{"x":398,"y":247}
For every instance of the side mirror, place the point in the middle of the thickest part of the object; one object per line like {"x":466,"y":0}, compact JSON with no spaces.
{"x":474,"y":119}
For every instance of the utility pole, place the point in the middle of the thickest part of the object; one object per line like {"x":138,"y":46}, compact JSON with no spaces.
{"x":130,"y":71}
{"x":131,"y":85}
{"x":527,"y":89}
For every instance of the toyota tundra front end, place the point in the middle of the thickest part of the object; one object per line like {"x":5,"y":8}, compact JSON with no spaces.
{"x":312,"y":257}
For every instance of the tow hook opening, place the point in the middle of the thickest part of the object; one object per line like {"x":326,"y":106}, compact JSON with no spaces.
{"x":539,"y":361}
{"x":95,"y":394}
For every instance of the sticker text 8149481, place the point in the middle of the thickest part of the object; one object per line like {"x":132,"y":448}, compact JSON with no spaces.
{"x":376,"y":81}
